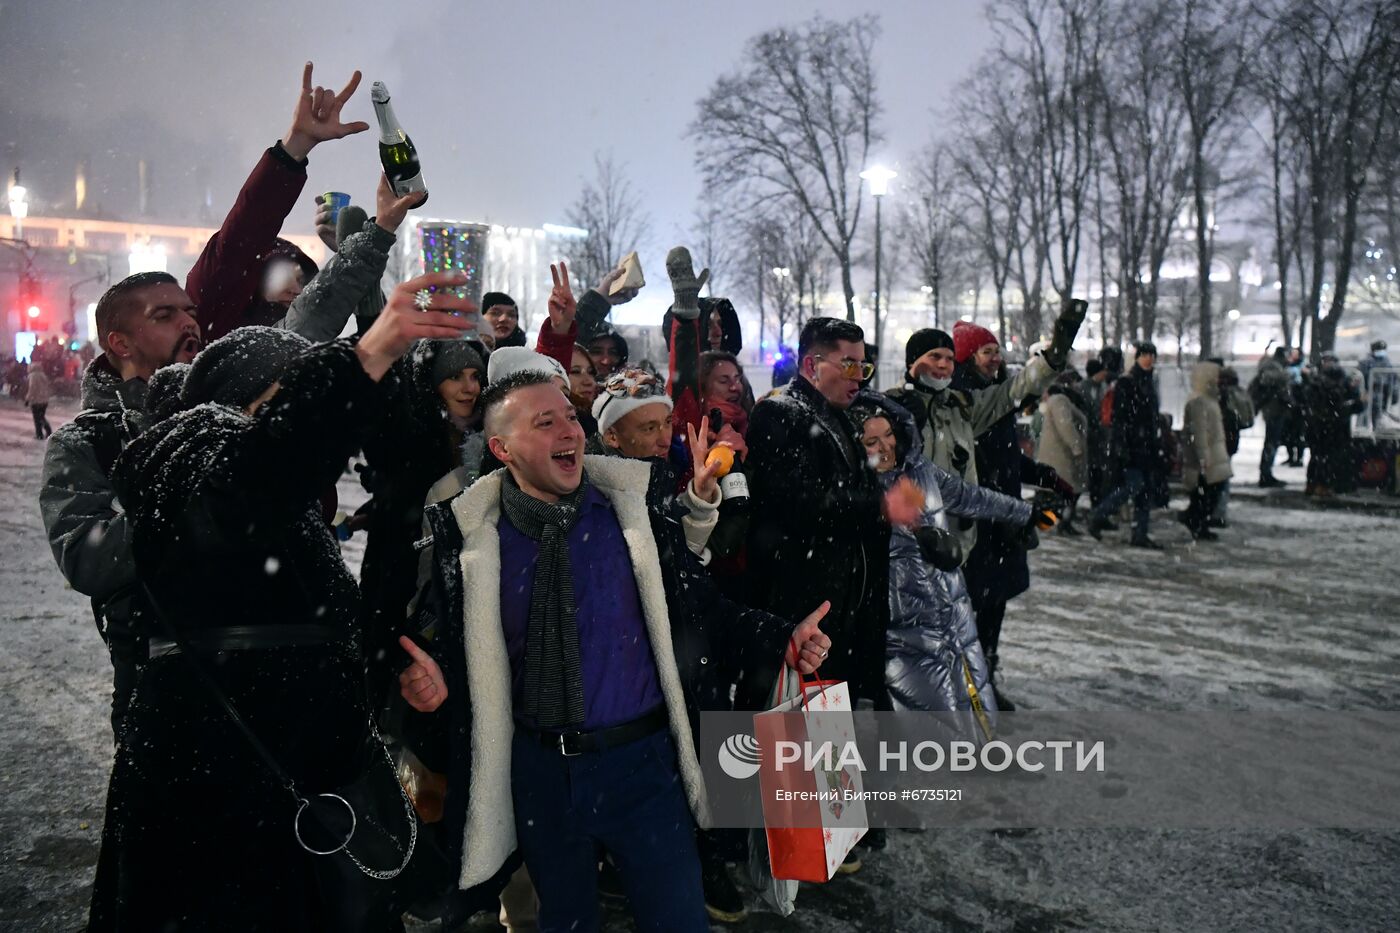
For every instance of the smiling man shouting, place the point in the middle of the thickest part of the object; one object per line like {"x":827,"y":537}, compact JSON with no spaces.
{"x":578,"y":640}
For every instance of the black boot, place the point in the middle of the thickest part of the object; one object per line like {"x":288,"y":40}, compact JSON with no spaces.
{"x":874,"y":840}
{"x":723,"y":902}
{"x":1004,"y":703}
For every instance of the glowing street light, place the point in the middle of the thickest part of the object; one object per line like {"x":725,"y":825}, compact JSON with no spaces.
{"x":879,"y":178}
{"x":19,"y":205}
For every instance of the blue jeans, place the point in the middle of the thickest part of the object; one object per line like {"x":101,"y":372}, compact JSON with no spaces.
{"x":1135,"y":486}
{"x":630,"y":800}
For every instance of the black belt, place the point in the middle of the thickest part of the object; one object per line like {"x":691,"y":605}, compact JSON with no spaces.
{"x":240,"y":638}
{"x":570,"y":744}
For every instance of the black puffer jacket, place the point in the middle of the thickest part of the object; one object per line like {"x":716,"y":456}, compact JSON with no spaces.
{"x":817,"y":532}
{"x":227,"y":532}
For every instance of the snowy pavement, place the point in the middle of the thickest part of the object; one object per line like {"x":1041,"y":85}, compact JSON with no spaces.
{"x":1294,"y":609}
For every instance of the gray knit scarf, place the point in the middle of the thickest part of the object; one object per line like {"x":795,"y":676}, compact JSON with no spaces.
{"x":553,"y":673}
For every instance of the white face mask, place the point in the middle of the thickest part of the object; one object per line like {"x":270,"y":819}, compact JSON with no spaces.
{"x":937,"y":385}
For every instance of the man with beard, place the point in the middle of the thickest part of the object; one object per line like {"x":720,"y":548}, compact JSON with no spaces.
{"x":144,"y":322}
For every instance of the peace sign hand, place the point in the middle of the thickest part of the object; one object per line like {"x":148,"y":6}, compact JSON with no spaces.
{"x":317,"y":116}
{"x":562,"y":306}
{"x":706,"y":485}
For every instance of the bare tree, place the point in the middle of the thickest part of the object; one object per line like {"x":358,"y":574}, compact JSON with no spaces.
{"x":1337,"y":65}
{"x":1287,"y":185}
{"x":1056,"y":48}
{"x":784,"y":265}
{"x":796,"y":121}
{"x":1211,"y":63}
{"x":993,"y":169}
{"x":930,"y":221}
{"x":614,"y":216}
{"x":1142,"y":126}
{"x":712,"y":241}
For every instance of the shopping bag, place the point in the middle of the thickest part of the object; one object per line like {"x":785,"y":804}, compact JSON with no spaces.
{"x":813,"y":816}
{"x":777,"y":894}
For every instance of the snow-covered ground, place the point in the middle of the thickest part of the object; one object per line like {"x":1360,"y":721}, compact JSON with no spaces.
{"x":1295,"y":608}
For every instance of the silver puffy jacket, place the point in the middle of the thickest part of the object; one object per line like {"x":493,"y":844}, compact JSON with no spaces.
{"x":933,"y":661}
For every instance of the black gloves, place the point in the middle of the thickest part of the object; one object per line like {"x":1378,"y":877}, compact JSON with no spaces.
{"x":1045,"y":514}
{"x":1047,"y":478}
{"x":941,"y":548}
{"x":1066,"y":327}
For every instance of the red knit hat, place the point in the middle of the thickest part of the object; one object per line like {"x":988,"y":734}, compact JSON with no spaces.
{"x":968,"y":339}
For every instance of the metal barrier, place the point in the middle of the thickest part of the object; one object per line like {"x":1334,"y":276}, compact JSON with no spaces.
{"x":1380,"y":418}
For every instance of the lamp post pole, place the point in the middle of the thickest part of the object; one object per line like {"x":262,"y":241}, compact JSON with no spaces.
{"x":879,"y":178}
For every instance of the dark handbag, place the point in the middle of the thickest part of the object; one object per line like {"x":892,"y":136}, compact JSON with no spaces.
{"x":369,"y":867}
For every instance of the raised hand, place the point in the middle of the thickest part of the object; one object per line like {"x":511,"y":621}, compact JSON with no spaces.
{"x":421,"y":684}
{"x":809,"y":647}
{"x":562,"y":306}
{"x":405,"y":320}
{"x":904,"y":503}
{"x":317,"y":116}
{"x":390,"y":209}
{"x":706,"y":484}
{"x":605,"y":288}
{"x":325,"y":229}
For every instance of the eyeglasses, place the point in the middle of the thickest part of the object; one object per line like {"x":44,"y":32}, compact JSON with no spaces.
{"x":859,"y":370}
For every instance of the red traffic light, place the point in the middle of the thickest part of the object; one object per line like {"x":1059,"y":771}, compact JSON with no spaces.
{"x":34,"y":311}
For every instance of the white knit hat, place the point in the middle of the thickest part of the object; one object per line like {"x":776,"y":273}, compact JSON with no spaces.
{"x":507,"y":361}
{"x":624,"y":392}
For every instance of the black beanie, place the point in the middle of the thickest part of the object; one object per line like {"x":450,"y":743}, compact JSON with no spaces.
{"x":238,"y":367}
{"x":491,"y":299}
{"x":450,"y":357}
{"x":922,"y":341}
{"x":163,"y":391}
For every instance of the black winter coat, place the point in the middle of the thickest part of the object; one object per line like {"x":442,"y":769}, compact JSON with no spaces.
{"x":1137,"y":432}
{"x":407,"y":449}
{"x":711,"y":639}
{"x":817,"y":532}
{"x":227,"y":532}
{"x":997,"y":570}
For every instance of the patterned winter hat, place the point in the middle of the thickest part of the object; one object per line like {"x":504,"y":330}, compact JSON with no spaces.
{"x":624,"y":392}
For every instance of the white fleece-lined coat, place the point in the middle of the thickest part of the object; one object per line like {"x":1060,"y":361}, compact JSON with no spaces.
{"x":682,"y":612}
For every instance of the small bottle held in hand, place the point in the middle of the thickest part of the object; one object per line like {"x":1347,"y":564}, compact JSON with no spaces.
{"x":396,"y":151}
{"x":733,"y":484}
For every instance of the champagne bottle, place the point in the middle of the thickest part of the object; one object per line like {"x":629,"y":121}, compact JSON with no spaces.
{"x":396,"y":151}
{"x":727,"y":539}
{"x":733,"y":484}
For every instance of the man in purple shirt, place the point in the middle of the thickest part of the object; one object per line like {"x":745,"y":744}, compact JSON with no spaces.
{"x":590,"y":639}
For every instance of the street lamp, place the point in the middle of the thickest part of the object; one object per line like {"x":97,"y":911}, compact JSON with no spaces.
{"x":879,"y":178}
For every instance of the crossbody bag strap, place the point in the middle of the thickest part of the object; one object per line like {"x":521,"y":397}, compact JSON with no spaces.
{"x":221,"y":698}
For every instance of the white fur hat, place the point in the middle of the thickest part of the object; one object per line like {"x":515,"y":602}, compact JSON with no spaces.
{"x":507,"y":361}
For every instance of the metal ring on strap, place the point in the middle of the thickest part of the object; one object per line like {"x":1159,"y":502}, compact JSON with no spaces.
{"x":296,"y":825}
